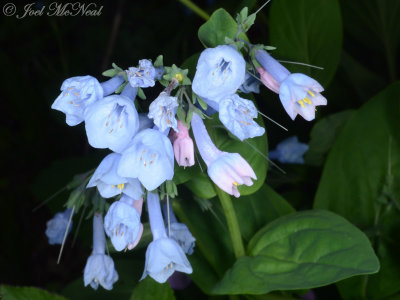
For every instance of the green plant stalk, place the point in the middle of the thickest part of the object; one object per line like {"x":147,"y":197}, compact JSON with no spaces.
{"x":231,"y":220}
{"x":197,"y":10}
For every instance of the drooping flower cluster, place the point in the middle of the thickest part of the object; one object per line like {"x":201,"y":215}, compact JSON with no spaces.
{"x":141,"y":167}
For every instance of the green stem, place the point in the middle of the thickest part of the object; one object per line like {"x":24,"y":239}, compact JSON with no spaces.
{"x":197,"y":10}
{"x":231,"y":220}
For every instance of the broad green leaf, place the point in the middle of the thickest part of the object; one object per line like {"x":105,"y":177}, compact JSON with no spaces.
{"x":8,"y":292}
{"x":149,"y":289}
{"x":256,"y":210}
{"x":323,"y":135}
{"x":302,"y":250}
{"x":307,"y":31}
{"x":354,"y":184}
{"x":220,"y":25}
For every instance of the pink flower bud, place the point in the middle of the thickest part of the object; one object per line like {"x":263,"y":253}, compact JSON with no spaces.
{"x":268,"y":80}
{"x":183,"y":146}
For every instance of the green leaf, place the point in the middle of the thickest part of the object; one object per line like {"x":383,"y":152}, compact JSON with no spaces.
{"x":110,"y":73}
{"x":220,"y":25}
{"x":149,"y":289}
{"x":159,"y":62}
{"x":26,"y":293}
{"x":302,"y":250}
{"x":121,"y":87}
{"x":202,"y":186}
{"x":364,"y":156}
{"x":141,"y":94}
{"x":256,"y":210}
{"x":323,"y":135}
{"x":307,"y":31}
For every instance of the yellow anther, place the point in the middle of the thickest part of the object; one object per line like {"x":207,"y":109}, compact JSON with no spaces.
{"x":311,"y":93}
{"x":307,"y":100}
{"x":179,"y":77}
{"x":235,"y":183}
{"x":301,"y":103}
{"x":121,"y":186}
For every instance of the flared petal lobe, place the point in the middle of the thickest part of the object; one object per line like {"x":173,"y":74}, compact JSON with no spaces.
{"x":163,"y":257}
{"x":237,"y":115}
{"x":110,"y":184}
{"x":122,"y":223}
{"x":77,"y":93}
{"x":229,"y":171}
{"x":162,"y":110}
{"x":142,"y":76}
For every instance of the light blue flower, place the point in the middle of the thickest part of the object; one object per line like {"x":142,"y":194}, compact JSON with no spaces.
{"x":150,"y":158}
{"x":250,"y":85}
{"x":179,"y":232}
{"x":226,"y":170}
{"x":99,"y":267}
{"x":122,"y":223}
{"x":111,"y":123}
{"x":298,"y":93}
{"x":162,"y":110}
{"x":289,"y":151}
{"x":220,"y":72}
{"x":163,"y":255}
{"x":77,"y":93}
{"x":55,"y":228}
{"x":144,"y":75}
{"x":237,"y":115}
{"x":110,"y":184}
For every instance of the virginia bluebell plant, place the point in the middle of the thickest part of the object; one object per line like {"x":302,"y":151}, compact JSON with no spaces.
{"x":144,"y":146}
{"x":57,"y":226}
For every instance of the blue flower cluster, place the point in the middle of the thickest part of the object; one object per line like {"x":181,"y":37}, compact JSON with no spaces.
{"x":140,"y":166}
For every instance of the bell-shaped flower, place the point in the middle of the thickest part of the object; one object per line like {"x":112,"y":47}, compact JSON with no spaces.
{"x":237,"y":115}
{"x":250,"y":84}
{"x":220,"y":72}
{"x":183,"y":146}
{"x":268,"y":80}
{"x":178,"y":231}
{"x":77,"y":93}
{"x":289,"y":151}
{"x":163,"y":255}
{"x":226,"y":170}
{"x":111,"y":123}
{"x":162,"y":110}
{"x":298,"y":93}
{"x":149,"y":158}
{"x":110,"y":184}
{"x":142,"y":76}
{"x":99,"y":267}
{"x":122,"y":223}
{"x":56,"y":227}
